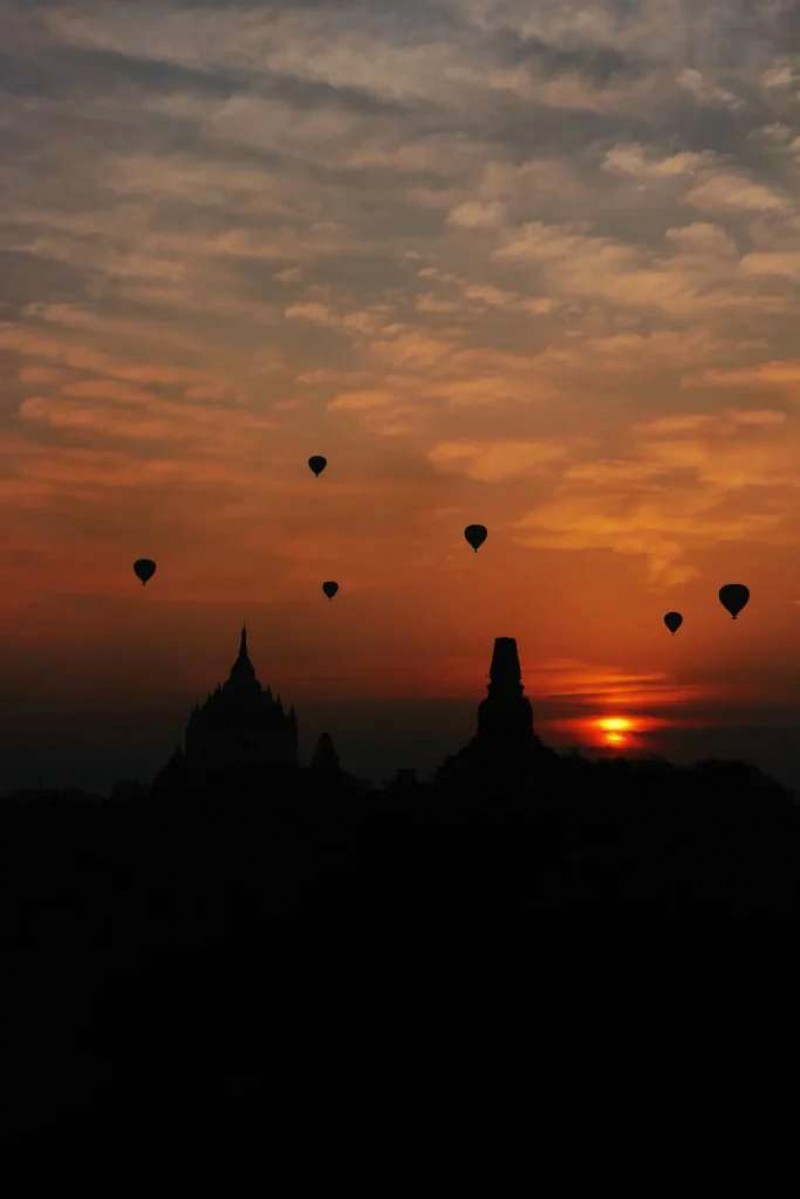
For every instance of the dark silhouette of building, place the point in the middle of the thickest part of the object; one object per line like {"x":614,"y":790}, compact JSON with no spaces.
{"x":504,"y":743}
{"x":325,"y":756}
{"x":240,"y":726}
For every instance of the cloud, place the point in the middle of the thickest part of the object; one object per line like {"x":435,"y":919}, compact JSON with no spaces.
{"x":203,"y":181}
{"x":415,"y":350}
{"x":97,"y":419}
{"x":73,"y":316}
{"x":30,"y":342}
{"x":658,"y":531}
{"x":427,"y":302}
{"x":115,"y":264}
{"x":341,"y":47}
{"x":702,"y":239}
{"x":109,"y":389}
{"x":731,"y":191}
{"x":473,"y":214}
{"x":780,"y":75}
{"x":599,"y":685}
{"x":635,"y":160}
{"x":317,"y":314}
{"x":39,"y":374}
{"x":706,"y":32}
{"x":494,"y":462}
{"x":361,"y":401}
{"x":118,"y":410}
{"x":717,"y":190}
{"x":349,"y":49}
{"x":775,"y":374}
{"x":686,"y":485}
{"x":771,"y":264}
{"x":707,"y":93}
{"x":290,"y":275}
{"x":574,"y":263}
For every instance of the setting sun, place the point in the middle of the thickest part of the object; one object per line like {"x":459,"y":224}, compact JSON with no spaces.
{"x":615,"y":724}
{"x":615,"y":731}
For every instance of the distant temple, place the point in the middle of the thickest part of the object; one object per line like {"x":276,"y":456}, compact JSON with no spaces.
{"x":504,"y":742}
{"x":240,"y":726}
{"x":325,"y":757}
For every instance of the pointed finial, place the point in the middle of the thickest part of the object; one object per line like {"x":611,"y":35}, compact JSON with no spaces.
{"x":242,"y":671}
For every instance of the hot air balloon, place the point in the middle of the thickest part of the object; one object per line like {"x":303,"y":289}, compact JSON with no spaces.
{"x":673,"y":621}
{"x":144,"y":569}
{"x":733,"y":597}
{"x":476,"y":535}
{"x":317,"y":464}
{"x":330,"y":588}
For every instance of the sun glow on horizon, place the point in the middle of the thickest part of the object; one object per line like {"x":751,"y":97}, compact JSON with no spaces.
{"x":615,"y":730}
{"x":631,"y":734}
{"x":615,"y":725}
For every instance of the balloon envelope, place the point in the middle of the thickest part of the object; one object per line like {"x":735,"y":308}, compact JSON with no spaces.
{"x":476,"y":535}
{"x":330,"y":588}
{"x":734,"y":596}
{"x":317,"y":463}
{"x":673,"y":621}
{"x":144,"y":569}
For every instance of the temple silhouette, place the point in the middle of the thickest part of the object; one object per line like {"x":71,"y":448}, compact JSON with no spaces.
{"x":240,"y":727}
{"x":505,"y":745}
{"x":325,"y":757}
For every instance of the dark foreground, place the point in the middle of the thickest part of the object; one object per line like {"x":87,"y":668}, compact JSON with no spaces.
{"x":302,"y":959}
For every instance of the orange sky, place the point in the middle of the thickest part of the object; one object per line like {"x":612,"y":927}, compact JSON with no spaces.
{"x":531,"y":266}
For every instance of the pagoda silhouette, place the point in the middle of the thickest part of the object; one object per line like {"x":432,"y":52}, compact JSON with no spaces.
{"x":505,"y":746}
{"x":325,"y":758}
{"x":240,"y":728}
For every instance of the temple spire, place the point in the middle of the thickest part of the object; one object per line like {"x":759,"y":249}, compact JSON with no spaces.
{"x":505,"y":749}
{"x":506,"y":712}
{"x":242,"y":669}
{"x":505,"y":674}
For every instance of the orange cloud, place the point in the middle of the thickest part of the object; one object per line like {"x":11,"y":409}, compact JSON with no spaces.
{"x":493,"y":462}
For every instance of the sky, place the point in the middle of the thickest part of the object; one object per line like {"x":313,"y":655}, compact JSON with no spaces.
{"x":533,"y":264}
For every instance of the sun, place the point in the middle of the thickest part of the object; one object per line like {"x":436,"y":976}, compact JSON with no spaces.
{"x":615,"y":724}
{"x":615,"y":730}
